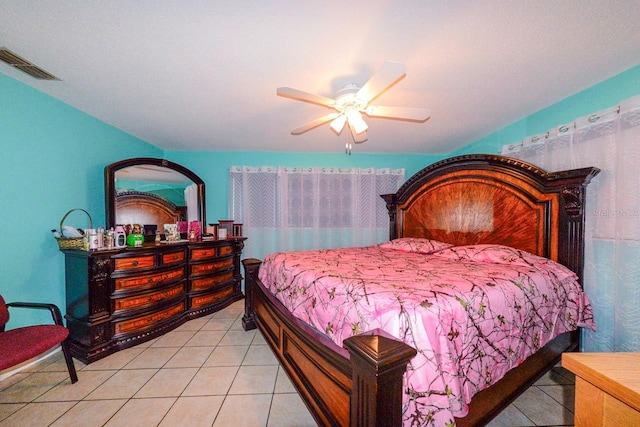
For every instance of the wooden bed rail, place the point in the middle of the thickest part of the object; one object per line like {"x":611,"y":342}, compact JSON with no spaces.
{"x":367,"y":382}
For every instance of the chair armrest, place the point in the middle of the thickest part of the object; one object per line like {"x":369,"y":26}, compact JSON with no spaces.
{"x":55,"y":311}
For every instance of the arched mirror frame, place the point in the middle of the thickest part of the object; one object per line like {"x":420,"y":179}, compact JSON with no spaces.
{"x":110,"y":185}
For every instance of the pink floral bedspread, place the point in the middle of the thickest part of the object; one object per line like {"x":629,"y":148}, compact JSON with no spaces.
{"x":472,"y":312}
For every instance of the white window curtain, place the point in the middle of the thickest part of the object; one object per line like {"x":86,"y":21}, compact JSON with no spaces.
{"x":610,"y":141}
{"x":284,"y":208}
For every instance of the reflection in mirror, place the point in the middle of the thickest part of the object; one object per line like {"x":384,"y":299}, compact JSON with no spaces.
{"x":152,"y":192}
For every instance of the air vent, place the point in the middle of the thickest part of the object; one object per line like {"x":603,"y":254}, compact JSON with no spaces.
{"x":25,"y":66}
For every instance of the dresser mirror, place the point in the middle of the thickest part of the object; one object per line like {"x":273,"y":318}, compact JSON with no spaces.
{"x":152,"y":192}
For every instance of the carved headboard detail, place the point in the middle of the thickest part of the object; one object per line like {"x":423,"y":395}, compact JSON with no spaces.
{"x":481,"y":198}
{"x":137,"y":207}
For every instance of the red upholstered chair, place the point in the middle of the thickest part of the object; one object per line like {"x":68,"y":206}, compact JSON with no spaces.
{"x":21,"y":344}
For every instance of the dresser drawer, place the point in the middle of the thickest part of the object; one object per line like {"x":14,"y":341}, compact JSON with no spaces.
{"x":211,"y":298}
{"x":225,"y":250}
{"x":211,"y":267}
{"x":134,"y":262}
{"x":141,"y":323}
{"x":210,"y":281}
{"x":173,"y":258}
{"x":148,"y":299}
{"x":148,"y":280}
{"x":201,"y":254}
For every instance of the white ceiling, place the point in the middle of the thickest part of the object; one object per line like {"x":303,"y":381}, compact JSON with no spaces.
{"x":202,"y":74}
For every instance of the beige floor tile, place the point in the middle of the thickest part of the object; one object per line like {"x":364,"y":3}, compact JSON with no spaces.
{"x":250,"y":410}
{"x":230,"y":355}
{"x":37,"y":414}
{"x":88,"y":381}
{"x":192,"y":325}
{"x":563,"y":394}
{"x":174,"y":339}
{"x":213,"y":381}
{"x":115,"y":361}
{"x":13,"y":379}
{"x":542,"y":409}
{"x":510,"y":417}
{"x":258,"y":339}
{"x":167,"y":383}
{"x":260,"y":355}
{"x":189,"y":357}
{"x":237,"y":325}
{"x":283,"y":383}
{"x":218,"y":324}
{"x":254,"y":380}
{"x":7,"y":409}
{"x":147,"y":343}
{"x":90,"y":413}
{"x":233,"y":311}
{"x":141,"y":412}
{"x":237,"y":337}
{"x":123,"y":384}
{"x":197,"y":411}
{"x":152,"y":357}
{"x":205,"y":339}
{"x":556,"y":376}
{"x":32,"y":387}
{"x":288,"y":410}
{"x":55,"y":362}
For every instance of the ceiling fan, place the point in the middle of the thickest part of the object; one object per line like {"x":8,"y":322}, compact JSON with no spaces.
{"x":352,"y":100}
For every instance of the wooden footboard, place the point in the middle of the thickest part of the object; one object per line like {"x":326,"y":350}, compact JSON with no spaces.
{"x":362,"y":384}
{"x":359,"y":386}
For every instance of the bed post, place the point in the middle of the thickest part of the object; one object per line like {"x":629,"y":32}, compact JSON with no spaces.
{"x":251,"y":266}
{"x":378,"y":363}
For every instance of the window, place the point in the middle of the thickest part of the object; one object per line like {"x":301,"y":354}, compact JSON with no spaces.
{"x":284,"y":208}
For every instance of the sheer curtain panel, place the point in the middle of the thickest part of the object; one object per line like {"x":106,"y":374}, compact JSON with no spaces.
{"x":284,"y":209}
{"x":609,"y":140}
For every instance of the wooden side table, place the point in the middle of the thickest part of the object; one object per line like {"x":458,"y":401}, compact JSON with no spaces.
{"x":607,"y":388}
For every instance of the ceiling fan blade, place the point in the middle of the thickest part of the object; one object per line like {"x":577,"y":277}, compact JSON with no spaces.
{"x":300,"y":95}
{"x":358,"y":137}
{"x":386,"y":76}
{"x":402,"y":113}
{"x":314,"y":123}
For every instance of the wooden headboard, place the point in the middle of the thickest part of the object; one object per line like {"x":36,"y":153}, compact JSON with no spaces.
{"x":138,"y":207}
{"x":481,"y":198}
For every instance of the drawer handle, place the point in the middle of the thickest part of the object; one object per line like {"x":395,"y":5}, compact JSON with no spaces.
{"x":175,"y":257}
{"x":134,"y":263}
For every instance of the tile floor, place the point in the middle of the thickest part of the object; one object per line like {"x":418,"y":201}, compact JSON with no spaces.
{"x":208,"y":372}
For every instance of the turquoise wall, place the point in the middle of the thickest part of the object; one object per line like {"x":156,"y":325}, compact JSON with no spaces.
{"x":598,"y":97}
{"x":53,"y":159}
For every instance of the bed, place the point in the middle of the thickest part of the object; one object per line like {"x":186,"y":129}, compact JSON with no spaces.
{"x":464,"y":204}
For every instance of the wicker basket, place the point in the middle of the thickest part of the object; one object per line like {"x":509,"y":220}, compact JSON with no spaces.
{"x":72,"y":242}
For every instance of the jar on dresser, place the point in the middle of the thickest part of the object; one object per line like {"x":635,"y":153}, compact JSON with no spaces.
{"x":122,"y":297}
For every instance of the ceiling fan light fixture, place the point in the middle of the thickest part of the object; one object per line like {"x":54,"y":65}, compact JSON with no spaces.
{"x":338,"y":124}
{"x":356,"y":121}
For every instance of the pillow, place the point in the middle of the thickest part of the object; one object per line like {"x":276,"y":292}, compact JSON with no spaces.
{"x":414,"y":244}
{"x":499,"y":254}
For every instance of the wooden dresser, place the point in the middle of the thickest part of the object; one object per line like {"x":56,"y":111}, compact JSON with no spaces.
{"x":122,"y":297}
{"x":607,"y":388}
